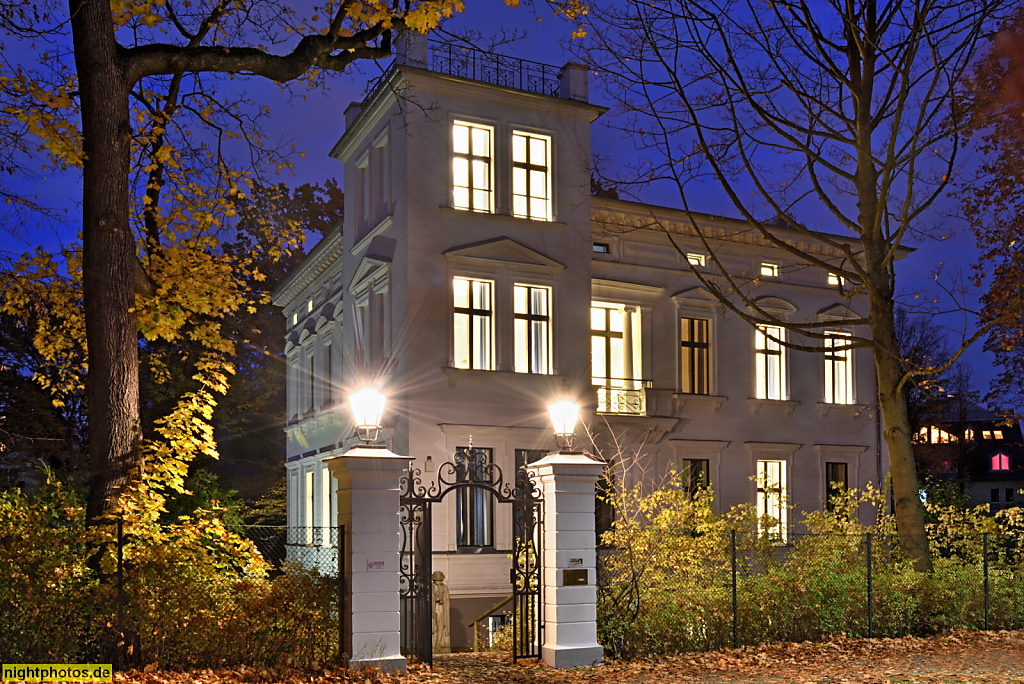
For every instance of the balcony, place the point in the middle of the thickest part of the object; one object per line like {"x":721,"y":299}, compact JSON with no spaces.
{"x":622,"y":396}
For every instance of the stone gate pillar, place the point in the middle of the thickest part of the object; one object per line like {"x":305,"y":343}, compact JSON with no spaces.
{"x":368,"y":507}
{"x":568,"y":483}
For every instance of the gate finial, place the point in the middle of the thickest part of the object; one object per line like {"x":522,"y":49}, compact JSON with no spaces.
{"x":471,"y":442}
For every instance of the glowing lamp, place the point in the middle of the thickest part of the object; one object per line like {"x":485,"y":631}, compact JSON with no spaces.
{"x":367,"y":406}
{"x":564,"y":415}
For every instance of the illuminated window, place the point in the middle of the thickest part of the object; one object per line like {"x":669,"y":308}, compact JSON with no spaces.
{"x":1000,"y":461}
{"x":307,"y":513}
{"x":531,"y":176}
{"x":295,"y":318}
{"x":328,"y":519}
{"x":771,"y":500}
{"x":695,"y":259}
{"x":474,"y":343}
{"x":769,"y":270}
{"x":695,"y":361}
{"x":833,"y":279}
{"x":770,"y":364}
{"x":986,"y":434}
{"x":997,"y":434}
{"x":969,"y":434}
{"x":838,"y":369}
{"x":532,"y":313}
{"x":615,"y":358}
{"x":471,"y":167}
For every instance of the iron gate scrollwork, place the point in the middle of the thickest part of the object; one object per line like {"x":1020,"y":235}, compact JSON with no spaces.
{"x":469,"y":469}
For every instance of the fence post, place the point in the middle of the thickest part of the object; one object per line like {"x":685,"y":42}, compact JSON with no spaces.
{"x":735,"y":612}
{"x":984,"y":553}
{"x":871,"y":606}
{"x":119,"y":652}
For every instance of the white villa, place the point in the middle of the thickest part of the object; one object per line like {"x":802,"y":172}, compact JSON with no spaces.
{"x":475,"y":279}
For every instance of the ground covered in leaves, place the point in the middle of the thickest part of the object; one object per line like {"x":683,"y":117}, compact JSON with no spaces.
{"x":959,"y":657}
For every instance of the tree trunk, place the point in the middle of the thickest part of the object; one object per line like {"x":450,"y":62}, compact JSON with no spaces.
{"x":108,"y":257}
{"x":893,"y":406}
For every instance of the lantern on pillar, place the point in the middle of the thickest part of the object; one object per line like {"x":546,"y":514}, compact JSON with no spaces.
{"x":565,"y":413}
{"x":367,"y":405}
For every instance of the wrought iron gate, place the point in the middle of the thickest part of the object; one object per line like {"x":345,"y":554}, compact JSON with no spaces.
{"x":469,"y":469}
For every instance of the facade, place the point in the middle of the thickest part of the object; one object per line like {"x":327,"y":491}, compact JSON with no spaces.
{"x":476,"y":279}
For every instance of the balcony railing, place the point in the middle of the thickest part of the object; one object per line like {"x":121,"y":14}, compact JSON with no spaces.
{"x":510,"y":72}
{"x":625,"y":396}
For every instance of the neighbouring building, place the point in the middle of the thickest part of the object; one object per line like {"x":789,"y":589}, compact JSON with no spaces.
{"x":978,"y":452}
{"x":476,"y":279}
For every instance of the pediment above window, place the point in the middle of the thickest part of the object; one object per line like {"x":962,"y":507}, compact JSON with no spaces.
{"x":776,"y":306}
{"x":502,"y":250}
{"x":368,"y":270}
{"x":837,"y":312}
{"x":695,"y":297}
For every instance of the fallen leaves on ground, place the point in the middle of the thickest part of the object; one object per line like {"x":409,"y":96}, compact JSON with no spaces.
{"x":956,"y":657}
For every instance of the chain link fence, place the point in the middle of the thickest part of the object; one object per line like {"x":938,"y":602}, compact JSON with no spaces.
{"x":180,"y":597}
{"x":697,"y":592}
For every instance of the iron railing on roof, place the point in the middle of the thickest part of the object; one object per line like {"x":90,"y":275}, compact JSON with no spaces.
{"x":501,"y":70}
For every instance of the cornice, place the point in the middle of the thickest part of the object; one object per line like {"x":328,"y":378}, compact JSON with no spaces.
{"x":319,"y":259}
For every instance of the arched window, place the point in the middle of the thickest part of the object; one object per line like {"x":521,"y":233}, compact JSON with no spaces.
{"x":1000,"y":461}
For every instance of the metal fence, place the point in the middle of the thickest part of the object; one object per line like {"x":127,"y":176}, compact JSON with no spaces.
{"x":178,"y":596}
{"x":695,"y":592}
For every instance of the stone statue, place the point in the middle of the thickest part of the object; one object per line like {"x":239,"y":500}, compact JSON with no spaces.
{"x":442,"y":633}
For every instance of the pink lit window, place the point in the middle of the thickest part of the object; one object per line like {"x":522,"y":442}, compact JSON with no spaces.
{"x":1000,"y":462}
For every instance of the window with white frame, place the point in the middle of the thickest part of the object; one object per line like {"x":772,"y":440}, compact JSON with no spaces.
{"x":327,"y":513}
{"x":696,"y":474}
{"x":770,"y":362}
{"x":328,"y":379}
{"x":771,"y":500}
{"x":532,"y":328}
{"x":615,"y":358}
{"x":769,"y":270}
{"x":310,"y":381}
{"x":307,"y":513}
{"x":695,"y":259}
{"x":472,"y":152}
{"x":836,"y":482}
{"x":835,"y":280}
{"x":531,"y":176}
{"x":473,"y":338}
{"x":695,"y":359}
{"x":474,"y":506}
{"x":838,"y":368}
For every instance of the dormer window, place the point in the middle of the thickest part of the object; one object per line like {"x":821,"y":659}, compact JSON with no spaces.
{"x":835,"y":280}
{"x":769,"y":270}
{"x":602,"y":248}
{"x":471,"y":167}
{"x":695,"y":259}
{"x":531,"y":176}
{"x":997,"y":434}
{"x":1000,"y":462}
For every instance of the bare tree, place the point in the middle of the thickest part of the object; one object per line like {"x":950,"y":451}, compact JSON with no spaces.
{"x":846,"y":109}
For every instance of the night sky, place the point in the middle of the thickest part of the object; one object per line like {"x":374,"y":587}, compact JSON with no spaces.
{"x":315,"y":124}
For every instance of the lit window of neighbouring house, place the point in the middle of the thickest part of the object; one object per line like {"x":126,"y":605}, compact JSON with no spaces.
{"x":986,"y":434}
{"x":531,"y":176}
{"x":771,"y":500}
{"x":833,"y":279}
{"x":532,"y":313}
{"x":471,"y":167}
{"x":771,"y":362}
{"x":836,"y":482}
{"x":838,"y":368}
{"x":474,"y":506}
{"x":997,"y":434}
{"x":769,"y":270}
{"x":695,"y":360}
{"x":474,"y":342}
{"x":695,"y":259}
{"x":1000,"y":462}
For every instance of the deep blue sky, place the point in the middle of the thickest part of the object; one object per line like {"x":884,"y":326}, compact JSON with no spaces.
{"x":314,"y":124}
